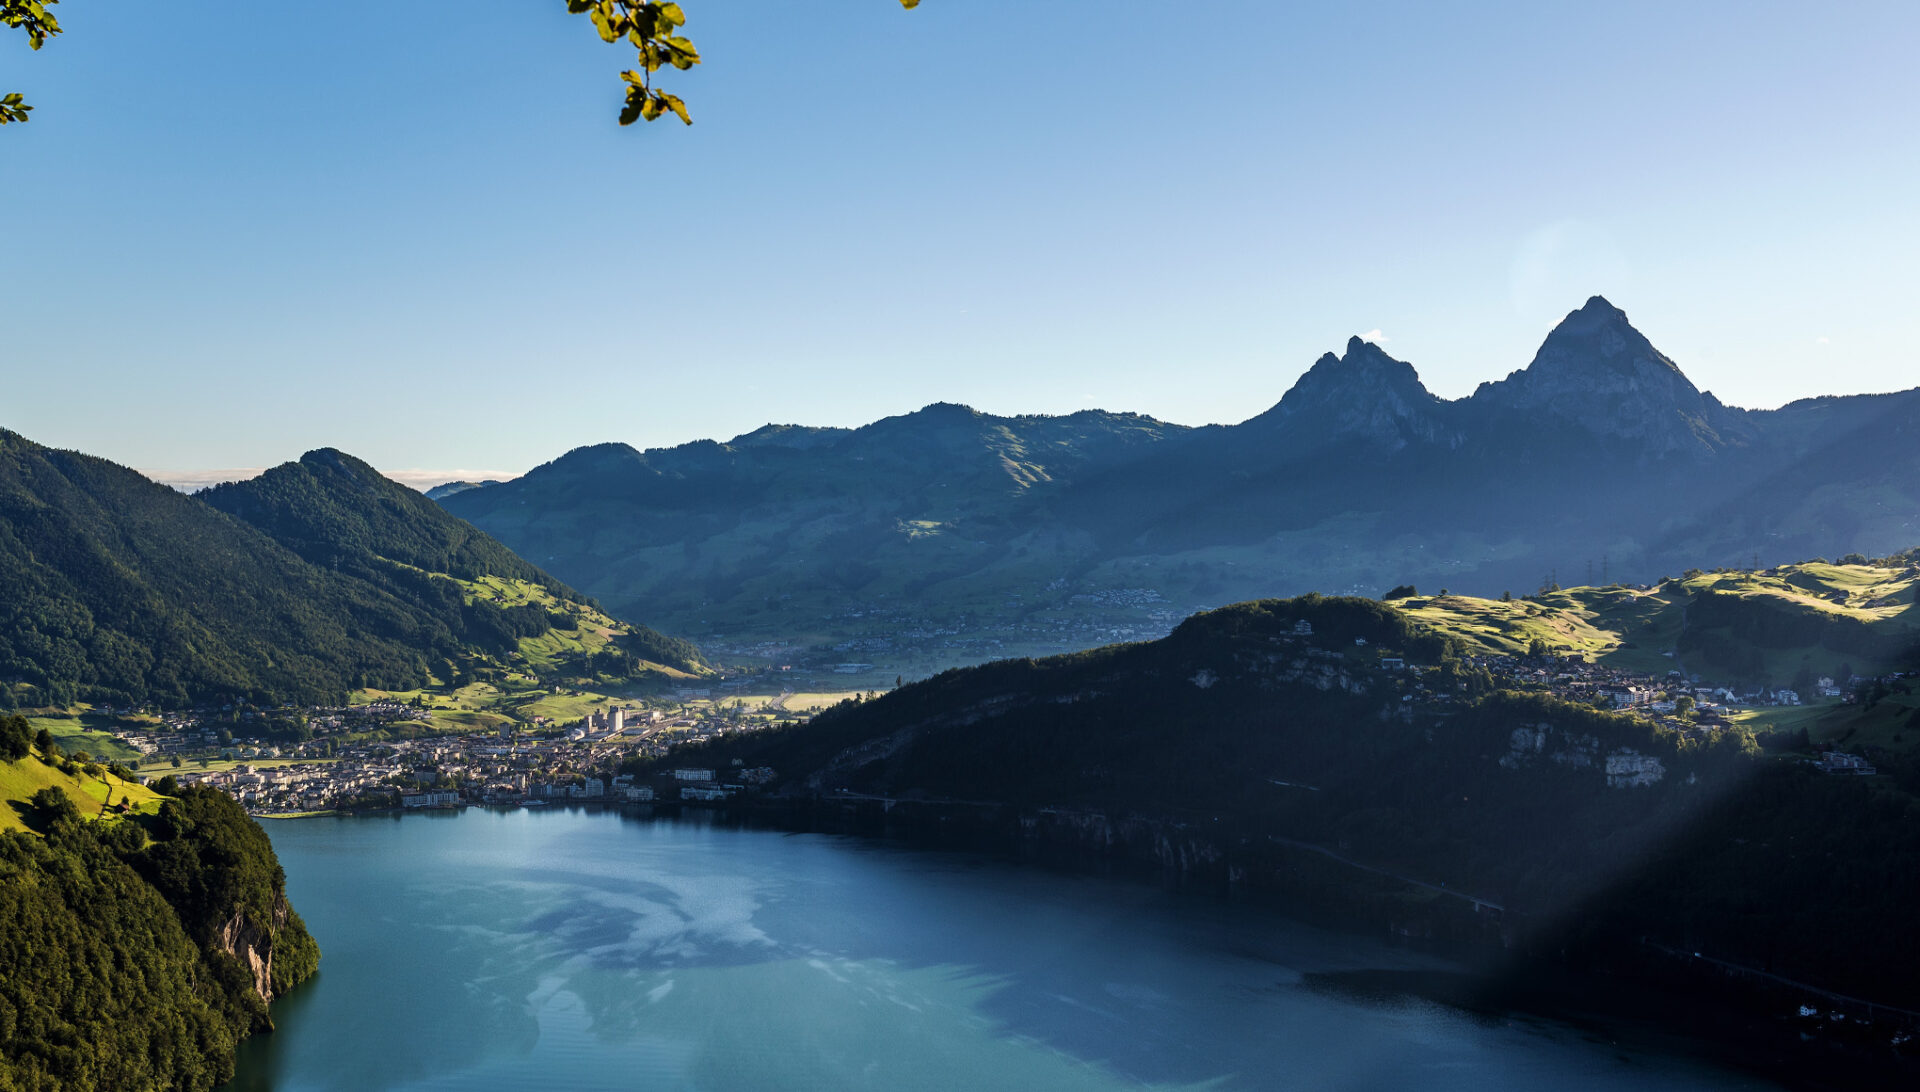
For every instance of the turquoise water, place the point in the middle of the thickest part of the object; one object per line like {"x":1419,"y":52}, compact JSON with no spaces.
{"x":562,"y":949}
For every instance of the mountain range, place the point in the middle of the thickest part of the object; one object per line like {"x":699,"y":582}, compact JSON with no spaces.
{"x":317,"y":578}
{"x":948,"y":536}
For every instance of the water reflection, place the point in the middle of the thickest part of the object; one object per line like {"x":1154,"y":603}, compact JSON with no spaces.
{"x":578,"y":950}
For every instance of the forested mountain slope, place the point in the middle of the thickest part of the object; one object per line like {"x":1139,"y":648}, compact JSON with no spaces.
{"x":137,"y":946}
{"x":339,"y":513}
{"x":119,"y":589}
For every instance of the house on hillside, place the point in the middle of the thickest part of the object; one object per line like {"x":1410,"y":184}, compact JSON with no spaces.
{"x":1835,"y":762}
{"x":1627,"y":697}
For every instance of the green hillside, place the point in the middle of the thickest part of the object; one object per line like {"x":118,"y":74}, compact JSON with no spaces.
{"x":1748,"y":627}
{"x":332,"y":509}
{"x":140,"y":941}
{"x":339,"y":513}
{"x":21,"y":780}
{"x":124,"y":591}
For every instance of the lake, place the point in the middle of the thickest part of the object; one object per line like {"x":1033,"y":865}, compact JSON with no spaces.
{"x":513,"y":950}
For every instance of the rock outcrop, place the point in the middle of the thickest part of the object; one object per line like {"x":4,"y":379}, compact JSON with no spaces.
{"x":1364,"y":397}
{"x":1597,"y":372}
{"x":252,"y":944}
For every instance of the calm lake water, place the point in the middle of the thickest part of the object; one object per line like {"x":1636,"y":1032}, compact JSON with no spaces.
{"x":514,"y":950}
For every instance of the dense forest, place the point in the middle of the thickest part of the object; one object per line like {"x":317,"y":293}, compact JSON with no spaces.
{"x":336,"y":511}
{"x":136,"y":952}
{"x":123,"y":590}
{"x":340,"y":513}
{"x":1244,"y":734}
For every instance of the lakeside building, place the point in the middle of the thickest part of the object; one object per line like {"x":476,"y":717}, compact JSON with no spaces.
{"x":430,"y":800}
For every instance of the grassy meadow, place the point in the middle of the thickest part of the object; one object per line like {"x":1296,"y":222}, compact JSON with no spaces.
{"x":19,"y":781}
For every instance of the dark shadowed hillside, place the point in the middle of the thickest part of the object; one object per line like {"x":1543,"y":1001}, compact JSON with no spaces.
{"x":1258,"y":739}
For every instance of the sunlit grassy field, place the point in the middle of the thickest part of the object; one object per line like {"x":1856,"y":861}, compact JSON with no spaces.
{"x":1635,"y":630}
{"x":19,"y":781}
{"x":86,"y":731}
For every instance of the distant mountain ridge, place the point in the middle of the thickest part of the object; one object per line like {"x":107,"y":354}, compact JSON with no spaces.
{"x":1599,"y":454}
{"x":448,"y":489}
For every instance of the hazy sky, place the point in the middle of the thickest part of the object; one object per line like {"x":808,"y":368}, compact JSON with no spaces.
{"x":411,"y":229}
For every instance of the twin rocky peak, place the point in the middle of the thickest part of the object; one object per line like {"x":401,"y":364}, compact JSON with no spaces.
{"x":1594,"y":371}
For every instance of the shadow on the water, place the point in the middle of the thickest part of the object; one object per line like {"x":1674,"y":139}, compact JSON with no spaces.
{"x":700,"y":944}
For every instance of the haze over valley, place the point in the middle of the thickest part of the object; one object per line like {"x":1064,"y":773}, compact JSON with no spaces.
{"x":950,"y":536}
{"x":959,"y":544}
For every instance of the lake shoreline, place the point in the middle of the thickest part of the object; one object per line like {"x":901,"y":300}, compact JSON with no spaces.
{"x":1643,"y":994}
{"x":615,"y":948}
{"x":1644,"y":999}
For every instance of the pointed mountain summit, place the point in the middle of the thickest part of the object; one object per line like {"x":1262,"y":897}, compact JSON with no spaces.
{"x":1365,"y":396}
{"x":1595,"y":370}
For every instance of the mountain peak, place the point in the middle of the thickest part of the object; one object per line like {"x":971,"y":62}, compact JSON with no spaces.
{"x":945,"y":411}
{"x":792,"y":436}
{"x":1600,"y":332}
{"x":1365,"y":395}
{"x":595,"y":458}
{"x":1599,"y":308}
{"x":1365,"y":373}
{"x":332,"y":458}
{"x":1596,"y":370}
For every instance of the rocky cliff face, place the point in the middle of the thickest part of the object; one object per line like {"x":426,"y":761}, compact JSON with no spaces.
{"x":1598,"y":372}
{"x":1364,"y":396}
{"x":252,"y":944}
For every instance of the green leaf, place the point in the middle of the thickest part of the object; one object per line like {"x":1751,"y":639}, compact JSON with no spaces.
{"x":13,"y":107}
{"x":650,"y":28}
{"x":684,"y":55}
{"x":603,"y":22}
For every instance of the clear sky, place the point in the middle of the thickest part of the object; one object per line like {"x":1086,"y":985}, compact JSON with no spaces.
{"x":411,"y":229}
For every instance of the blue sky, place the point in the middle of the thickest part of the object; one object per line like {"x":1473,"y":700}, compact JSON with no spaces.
{"x":411,"y":229}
